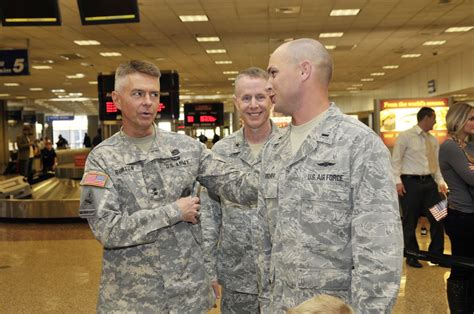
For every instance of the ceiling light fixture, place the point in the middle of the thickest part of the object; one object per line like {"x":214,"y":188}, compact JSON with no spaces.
{"x":411,"y":55}
{"x":231,"y":72}
{"x":208,"y":39}
{"x":330,"y":47}
{"x":110,"y":54}
{"x":377,"y":73}
{"x":288,"y":10}
{"x":87,"y":42}
{"x":434,"y":43}
{"x":4,"y":95}
{"x":36,"y":89}
{"x":223,"y":62}
{"x":41,"y":67}
{"x":459,"y":29}
{"x":193,"y":18}
{"x":369,"y":79}
{"x":216,"y":51}
{"x":344,"y":12}
{"x":76,"y":76}
{"x":11,"y":84}
{"x":395,"y":66}
{"x":330,"y":35}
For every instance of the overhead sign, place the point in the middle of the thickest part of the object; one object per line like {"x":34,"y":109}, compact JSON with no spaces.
{"x":58,"y":118}
{"x":14,"y":62}
{"x":203,"y":114}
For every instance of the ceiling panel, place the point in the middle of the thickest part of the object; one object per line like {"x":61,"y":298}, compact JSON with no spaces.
{"x":249,"y":30}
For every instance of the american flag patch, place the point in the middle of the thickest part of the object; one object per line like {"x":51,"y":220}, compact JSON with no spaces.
{"x":95,"y":179}
{"x":440,"y":210}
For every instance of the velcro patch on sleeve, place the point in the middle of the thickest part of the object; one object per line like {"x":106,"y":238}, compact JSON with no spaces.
{"x":87,"y":208}
{"x":86,"y":213}
{"x":94,"y":178}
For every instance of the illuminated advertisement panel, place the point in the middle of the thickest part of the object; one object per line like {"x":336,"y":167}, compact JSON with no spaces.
{"x":397,"y":115}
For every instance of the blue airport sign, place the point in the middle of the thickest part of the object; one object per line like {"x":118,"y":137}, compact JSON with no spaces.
{"x":49,"y":119}
{"x":14,"y":62}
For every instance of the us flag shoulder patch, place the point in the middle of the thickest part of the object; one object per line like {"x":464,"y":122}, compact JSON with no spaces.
{"x":93,"y":178}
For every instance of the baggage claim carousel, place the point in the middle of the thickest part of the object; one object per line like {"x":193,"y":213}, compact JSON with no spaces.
{"x":52,"y":198}
{"x":56,"y":197}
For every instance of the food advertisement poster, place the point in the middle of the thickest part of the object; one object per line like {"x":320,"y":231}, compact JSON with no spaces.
{"x":397,"y":115}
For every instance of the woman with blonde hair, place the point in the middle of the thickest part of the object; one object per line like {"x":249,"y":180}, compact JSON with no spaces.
{"x":456,"y":161}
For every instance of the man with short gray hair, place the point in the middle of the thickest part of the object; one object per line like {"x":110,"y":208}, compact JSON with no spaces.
{"x":136,"y":194}
{"x":229,"y":246}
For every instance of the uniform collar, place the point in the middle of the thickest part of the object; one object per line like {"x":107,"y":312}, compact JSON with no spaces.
{"x":159,"y":148}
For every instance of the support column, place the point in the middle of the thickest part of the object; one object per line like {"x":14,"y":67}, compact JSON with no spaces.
{"x":4,"y":152}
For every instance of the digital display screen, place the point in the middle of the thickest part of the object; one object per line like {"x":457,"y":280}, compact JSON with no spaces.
{"x":203,"y":114}
{"x":30,"y":12}
{"x":94,"y":12}
{"x":14,"y":115}
{"x":398,"y":115}
{"x":29,"y":117}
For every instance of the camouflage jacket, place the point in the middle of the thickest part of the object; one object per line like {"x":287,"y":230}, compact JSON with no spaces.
{"x":229,"y":248}
{"x":329,"y":219}
{"x":152,"y":261}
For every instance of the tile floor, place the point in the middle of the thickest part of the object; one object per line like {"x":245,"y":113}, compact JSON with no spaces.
{"x":54,"y":268}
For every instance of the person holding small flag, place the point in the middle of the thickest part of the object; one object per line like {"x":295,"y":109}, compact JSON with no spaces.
{"x":419,"y":180}
{"x":456,"y":160}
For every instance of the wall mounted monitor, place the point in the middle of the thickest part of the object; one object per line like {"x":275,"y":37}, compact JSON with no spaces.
{"x":14,"y":115}
{"x":94,"y":12}
{"x":29,"y":12}
{"x":204,"y":114}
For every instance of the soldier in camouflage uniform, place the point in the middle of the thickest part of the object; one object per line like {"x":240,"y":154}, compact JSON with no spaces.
{"x":135,"y":195}
{"x":328,"y":207}
{"x":227,"y":227}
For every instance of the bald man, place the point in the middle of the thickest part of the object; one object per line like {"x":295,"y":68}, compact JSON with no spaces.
{"x":328,"y":206}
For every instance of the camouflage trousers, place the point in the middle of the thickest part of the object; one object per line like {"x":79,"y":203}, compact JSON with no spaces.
{"x":233,"y":302}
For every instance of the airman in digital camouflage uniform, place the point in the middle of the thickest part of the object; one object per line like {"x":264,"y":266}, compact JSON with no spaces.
{"x":327,"y":200}
{"x":229,"y":247}
{"x":135,"y":195}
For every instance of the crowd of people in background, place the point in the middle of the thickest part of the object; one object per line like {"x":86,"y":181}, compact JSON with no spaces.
{"x":36,"y":158}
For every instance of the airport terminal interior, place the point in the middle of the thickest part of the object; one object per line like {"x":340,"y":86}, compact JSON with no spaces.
{"x":57,"y":63}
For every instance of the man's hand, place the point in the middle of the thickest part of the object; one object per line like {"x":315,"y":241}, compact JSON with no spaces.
{"x":215,"y":287}
{"x":443,"y":188}
{"x":471,"y":166}
{"x":401,"y":189}
{"x":189,"y":207}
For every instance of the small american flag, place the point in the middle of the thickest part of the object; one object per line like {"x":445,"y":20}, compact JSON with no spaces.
{"x":440,"y":210}
{"x":95,"y":179}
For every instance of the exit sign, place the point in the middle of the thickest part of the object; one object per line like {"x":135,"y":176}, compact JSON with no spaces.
{"x":204,"y":114}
